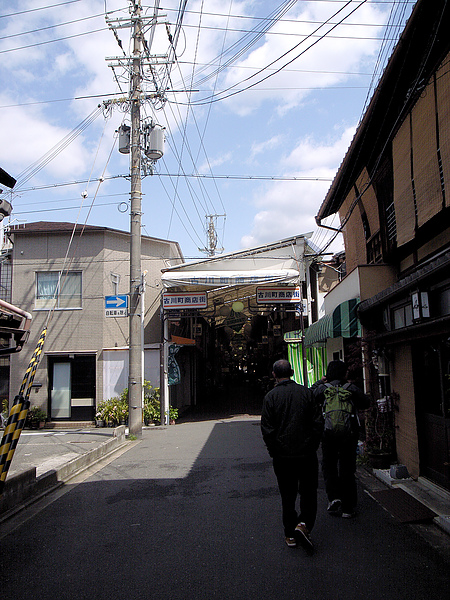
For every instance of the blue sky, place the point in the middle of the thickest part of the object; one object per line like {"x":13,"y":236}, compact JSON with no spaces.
{"x":263,"y":153}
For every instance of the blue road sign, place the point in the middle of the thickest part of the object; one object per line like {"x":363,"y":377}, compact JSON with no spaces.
{"x":116,"y":301}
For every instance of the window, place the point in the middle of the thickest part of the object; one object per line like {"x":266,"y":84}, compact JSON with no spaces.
{"x":56,"y":289}
{"x":5,"y":280}
{"x":403,"y":316}
{"x":374,"y":251}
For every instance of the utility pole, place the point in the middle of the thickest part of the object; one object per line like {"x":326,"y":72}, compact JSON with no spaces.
{"x":135,"y":316}
{"x":211,"y":248}
{"x":133,"y":140}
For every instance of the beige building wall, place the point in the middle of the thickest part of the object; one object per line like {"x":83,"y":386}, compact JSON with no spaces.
{"x":103,"y":258}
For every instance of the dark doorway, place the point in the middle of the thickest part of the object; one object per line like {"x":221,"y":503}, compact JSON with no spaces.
{"x":432,"y":391}
{"x":72,"y":385}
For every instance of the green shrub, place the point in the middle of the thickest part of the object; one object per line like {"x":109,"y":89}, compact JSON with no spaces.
{"x":115,"y":409}
{"x":36,"y":415}
{"x":112,"y":410}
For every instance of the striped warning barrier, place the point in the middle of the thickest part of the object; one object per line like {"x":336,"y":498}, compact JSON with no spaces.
{"x":10,"y":439}
{"x":18,"y":413}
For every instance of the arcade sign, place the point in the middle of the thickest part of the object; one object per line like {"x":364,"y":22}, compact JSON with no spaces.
{"x":182,"y":300}
{"x":278,"y":295}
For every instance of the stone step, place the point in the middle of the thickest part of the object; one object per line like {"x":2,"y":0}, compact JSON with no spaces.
{"x":69,"y":424}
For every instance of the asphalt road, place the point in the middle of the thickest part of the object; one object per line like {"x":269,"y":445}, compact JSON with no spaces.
{"x":192,"y":511}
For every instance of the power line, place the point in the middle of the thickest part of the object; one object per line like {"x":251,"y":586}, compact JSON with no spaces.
{"x":30,"y":10}
{"x":68,"y":37}
{"x":89,"y":97}
{"x":190,"y":175}
{"x":215,"y":98}
{"x":53,"y":26}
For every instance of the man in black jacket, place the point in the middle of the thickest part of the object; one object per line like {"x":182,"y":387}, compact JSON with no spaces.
{"x":291,"y":425}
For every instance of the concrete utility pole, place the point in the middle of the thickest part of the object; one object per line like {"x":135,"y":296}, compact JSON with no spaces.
{"x":135,"y":325}
{"x":131,"y":140}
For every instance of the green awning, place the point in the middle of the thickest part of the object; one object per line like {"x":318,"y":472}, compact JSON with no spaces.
{"x":342,"y":322}
{"x":319,"y":331}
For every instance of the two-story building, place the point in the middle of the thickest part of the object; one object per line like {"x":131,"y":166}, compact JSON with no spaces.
{"x":392,"y":193}
{"x":75,"y":279}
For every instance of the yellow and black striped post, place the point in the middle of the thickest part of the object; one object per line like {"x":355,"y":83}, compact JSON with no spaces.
{"x":31,"y":370}
{"x":18,"y":414}
{"x":13,"y":429}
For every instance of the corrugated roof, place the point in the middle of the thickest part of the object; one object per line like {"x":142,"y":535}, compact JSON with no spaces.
{"x":64,"y":227}
{"x":53,"y":226}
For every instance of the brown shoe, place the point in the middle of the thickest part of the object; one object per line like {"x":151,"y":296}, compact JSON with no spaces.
{"x":291,"y":542}
{"x":303,"y":538}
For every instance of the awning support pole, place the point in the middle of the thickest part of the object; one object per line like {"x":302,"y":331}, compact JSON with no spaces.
{"x":304,"y":361}
{"x":164,"y":372}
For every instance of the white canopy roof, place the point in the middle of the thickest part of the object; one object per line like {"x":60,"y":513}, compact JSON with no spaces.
{"x":214,"y":279}
{"x":280,"y":262}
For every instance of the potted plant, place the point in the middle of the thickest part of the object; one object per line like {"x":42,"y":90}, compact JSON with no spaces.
{"x":36,"y":417}
{"x":99,"y":421}
{"x":123,"y":408}
{"x":106,"y":411}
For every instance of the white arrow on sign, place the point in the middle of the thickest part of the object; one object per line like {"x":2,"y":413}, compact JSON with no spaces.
{"x":116,"y":301}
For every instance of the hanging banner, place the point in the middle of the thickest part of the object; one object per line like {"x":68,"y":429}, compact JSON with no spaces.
{"x":174,"y":373}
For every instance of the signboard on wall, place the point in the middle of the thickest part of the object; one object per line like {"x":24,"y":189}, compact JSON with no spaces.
{"x":277,"y":295}
{"x":182,"y":300}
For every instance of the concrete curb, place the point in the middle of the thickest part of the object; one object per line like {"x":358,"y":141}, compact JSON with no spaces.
{"x":23,"y":488}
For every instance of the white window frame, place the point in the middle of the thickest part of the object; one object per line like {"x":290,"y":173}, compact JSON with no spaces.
{"x":67,"y":298}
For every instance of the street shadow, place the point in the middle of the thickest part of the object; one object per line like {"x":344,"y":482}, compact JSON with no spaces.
{"x":193,"y":511}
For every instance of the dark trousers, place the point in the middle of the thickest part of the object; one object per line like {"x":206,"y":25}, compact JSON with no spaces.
{"x":297,"y":476}
{"x":338,"y":468}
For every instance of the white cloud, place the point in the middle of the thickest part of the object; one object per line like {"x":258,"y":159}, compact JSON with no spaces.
{"x":28,"y":136}
{"x":308,"y":155}
{"x":215,"y":162}
{"x":271,"y":144}
{"x":63,"y":63}
{"x":288,"y":208}
{"x":325,"y":64}
{"x":211,"y":35}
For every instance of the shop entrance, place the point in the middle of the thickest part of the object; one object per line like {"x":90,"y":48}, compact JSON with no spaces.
{"x":232,"y":360}
{"x":236,"y":308}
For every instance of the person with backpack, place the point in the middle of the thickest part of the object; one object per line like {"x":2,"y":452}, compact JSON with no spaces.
{"x":340,"y":401}
{"x":291,"y":426}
